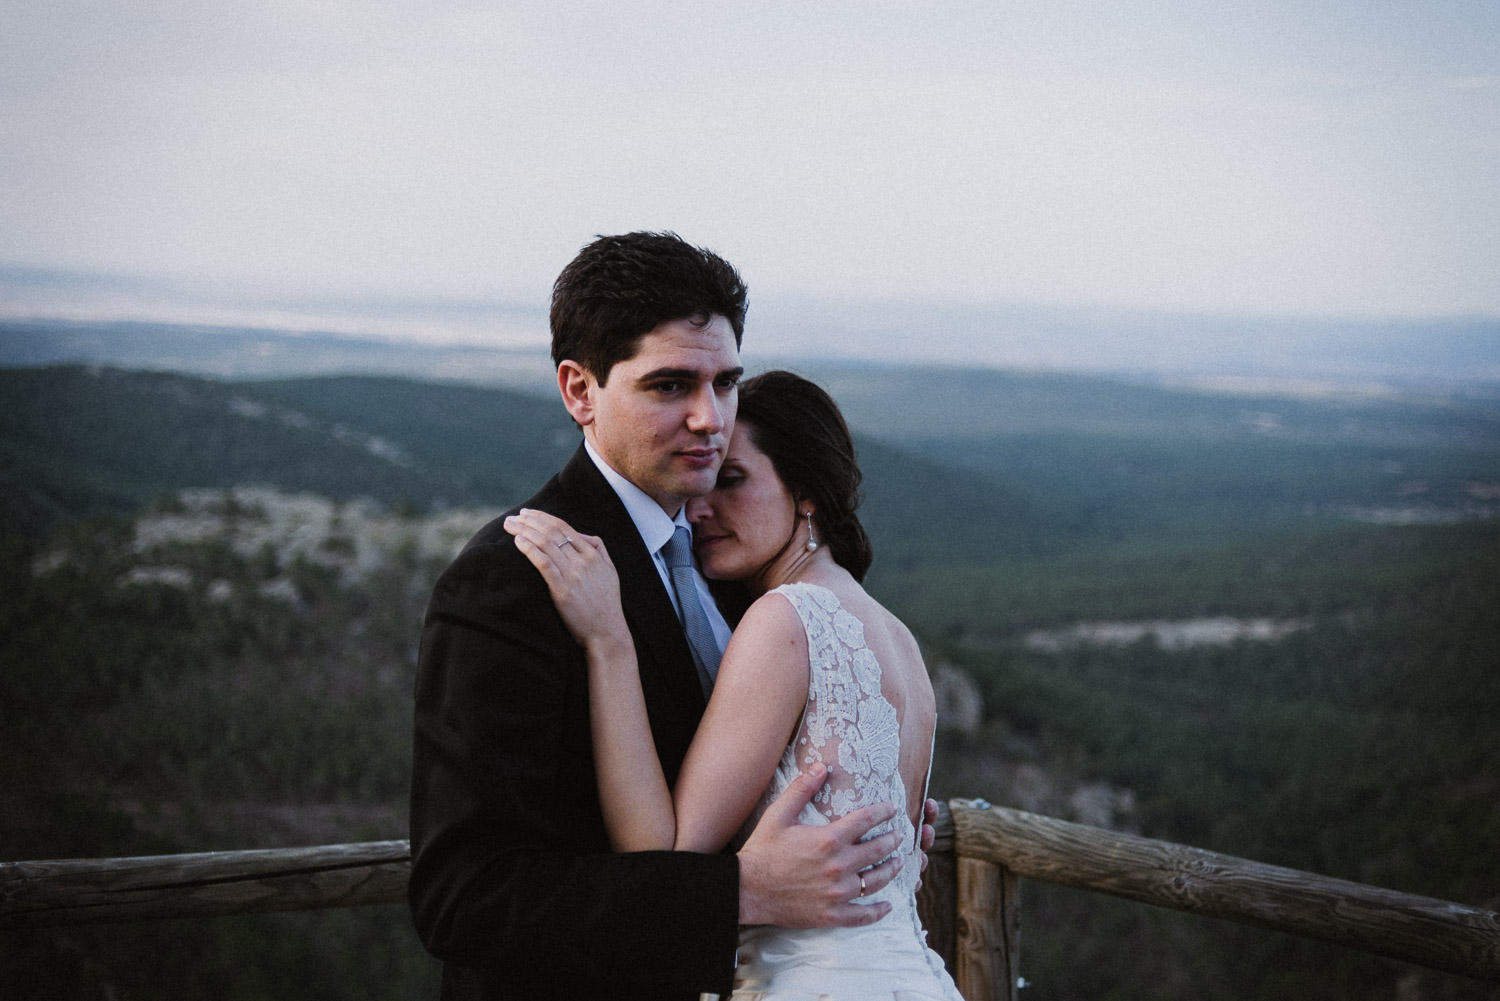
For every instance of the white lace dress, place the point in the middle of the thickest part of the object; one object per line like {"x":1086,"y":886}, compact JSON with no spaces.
{"x":851,"y":727}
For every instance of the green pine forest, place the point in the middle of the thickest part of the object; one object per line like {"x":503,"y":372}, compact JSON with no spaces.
{"x":212,"y":592}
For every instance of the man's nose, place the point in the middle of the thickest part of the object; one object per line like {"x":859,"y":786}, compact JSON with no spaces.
{"x":706,"y":416}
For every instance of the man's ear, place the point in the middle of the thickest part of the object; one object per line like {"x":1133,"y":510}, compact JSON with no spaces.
{"x":576,"y":387}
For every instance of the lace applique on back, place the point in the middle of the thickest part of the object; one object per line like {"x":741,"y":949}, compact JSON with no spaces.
{"x":848,"y":723}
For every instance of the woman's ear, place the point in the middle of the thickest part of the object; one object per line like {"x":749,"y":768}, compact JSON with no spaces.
{"x":577,"y":389}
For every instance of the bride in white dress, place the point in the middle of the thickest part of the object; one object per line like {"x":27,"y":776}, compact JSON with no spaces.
{"x":817,"y":676}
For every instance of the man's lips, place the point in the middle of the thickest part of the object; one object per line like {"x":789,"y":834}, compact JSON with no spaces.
{"x":699,"y":457}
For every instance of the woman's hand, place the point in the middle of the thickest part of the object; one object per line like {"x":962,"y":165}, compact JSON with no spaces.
{"x":579,"y":575}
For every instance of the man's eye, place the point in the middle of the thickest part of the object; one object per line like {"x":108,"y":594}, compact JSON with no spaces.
{"x":666,"y":387}
{"x":728,"y":382}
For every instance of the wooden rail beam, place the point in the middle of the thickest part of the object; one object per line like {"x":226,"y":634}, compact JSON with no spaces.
{"x":1422,"y":930}
{"x":104,"y":891}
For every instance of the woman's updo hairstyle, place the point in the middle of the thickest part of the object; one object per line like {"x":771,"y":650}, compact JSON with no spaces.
{"x":799,"y":428}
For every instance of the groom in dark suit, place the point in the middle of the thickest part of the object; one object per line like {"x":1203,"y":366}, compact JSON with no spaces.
{"x":513,"y":884}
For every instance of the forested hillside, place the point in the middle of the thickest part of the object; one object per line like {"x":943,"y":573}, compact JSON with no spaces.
{"x":77,"y":440}
{"x":1267,"y":627}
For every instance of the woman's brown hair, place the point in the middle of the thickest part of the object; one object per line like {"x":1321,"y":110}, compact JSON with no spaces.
{"x":800,"y":429}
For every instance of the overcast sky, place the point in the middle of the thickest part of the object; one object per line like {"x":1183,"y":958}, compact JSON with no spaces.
{"x":1291,"y":157}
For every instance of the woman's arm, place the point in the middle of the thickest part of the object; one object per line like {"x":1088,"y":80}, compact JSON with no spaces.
{"x":633,"y":793}
{"x":755,"y":711}
{"x":756,"y":706}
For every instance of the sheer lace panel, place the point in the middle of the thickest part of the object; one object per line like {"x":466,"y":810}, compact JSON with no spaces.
{"x":849,"y":725}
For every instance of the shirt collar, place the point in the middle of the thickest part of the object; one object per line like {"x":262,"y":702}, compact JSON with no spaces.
{"x":650,"y":520}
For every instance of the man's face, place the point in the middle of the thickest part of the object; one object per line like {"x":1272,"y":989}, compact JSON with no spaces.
{"x":664,"y":417}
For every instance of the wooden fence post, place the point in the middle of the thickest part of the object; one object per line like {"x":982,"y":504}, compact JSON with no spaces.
{"x":988,"y":940}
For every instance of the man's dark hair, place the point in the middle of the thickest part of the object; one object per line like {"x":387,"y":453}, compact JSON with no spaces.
{"x":620,"y":288}
{"x":800,"y":429}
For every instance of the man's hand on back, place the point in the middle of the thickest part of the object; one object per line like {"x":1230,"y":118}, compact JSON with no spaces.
{"x":806,"y":876}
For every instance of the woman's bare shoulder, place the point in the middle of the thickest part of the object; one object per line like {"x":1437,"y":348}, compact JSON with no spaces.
{"x":771,"y":611}
{"x":769,"y":635}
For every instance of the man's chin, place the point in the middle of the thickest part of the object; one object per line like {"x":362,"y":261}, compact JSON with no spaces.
{"x":699,"y":483}
{"x":673,"y":492}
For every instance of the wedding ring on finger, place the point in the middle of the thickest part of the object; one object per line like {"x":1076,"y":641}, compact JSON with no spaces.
{"x":566,"y":542}
{"x":861,"y":885}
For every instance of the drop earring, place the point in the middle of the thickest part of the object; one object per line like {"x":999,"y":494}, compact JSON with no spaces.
{"x":812,"y":543}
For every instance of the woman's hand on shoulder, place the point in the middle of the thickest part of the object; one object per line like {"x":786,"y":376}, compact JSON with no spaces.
{"x":579,"y":574}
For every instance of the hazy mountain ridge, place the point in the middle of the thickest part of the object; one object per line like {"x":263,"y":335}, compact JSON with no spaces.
{"x":928,"y":402}
{"x":1123,"y":458}
{"x":887,"y":399}
{"x":121,"y":438}
{"x":82,"y":440}
{"x":1026,"y":462}
{"x":250,"y":352}
{"x":52,"y":319}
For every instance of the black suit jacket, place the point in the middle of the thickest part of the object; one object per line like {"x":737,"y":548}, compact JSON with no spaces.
{"x":513,"y":884}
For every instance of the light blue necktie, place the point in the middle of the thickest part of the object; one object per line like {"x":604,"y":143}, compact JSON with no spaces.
{"x":678,"y":554}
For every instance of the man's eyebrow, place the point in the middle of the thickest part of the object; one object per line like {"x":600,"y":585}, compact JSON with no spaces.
{"x":688,"y":374}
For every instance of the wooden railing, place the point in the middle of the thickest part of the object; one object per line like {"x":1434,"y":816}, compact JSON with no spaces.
{"x":969,"y":899}
{"x":994,"y":846}
{"x":206,"y":884}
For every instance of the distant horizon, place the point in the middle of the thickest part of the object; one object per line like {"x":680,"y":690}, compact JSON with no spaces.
{"x":236,"y":292}
{"x":1236,"y":352}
